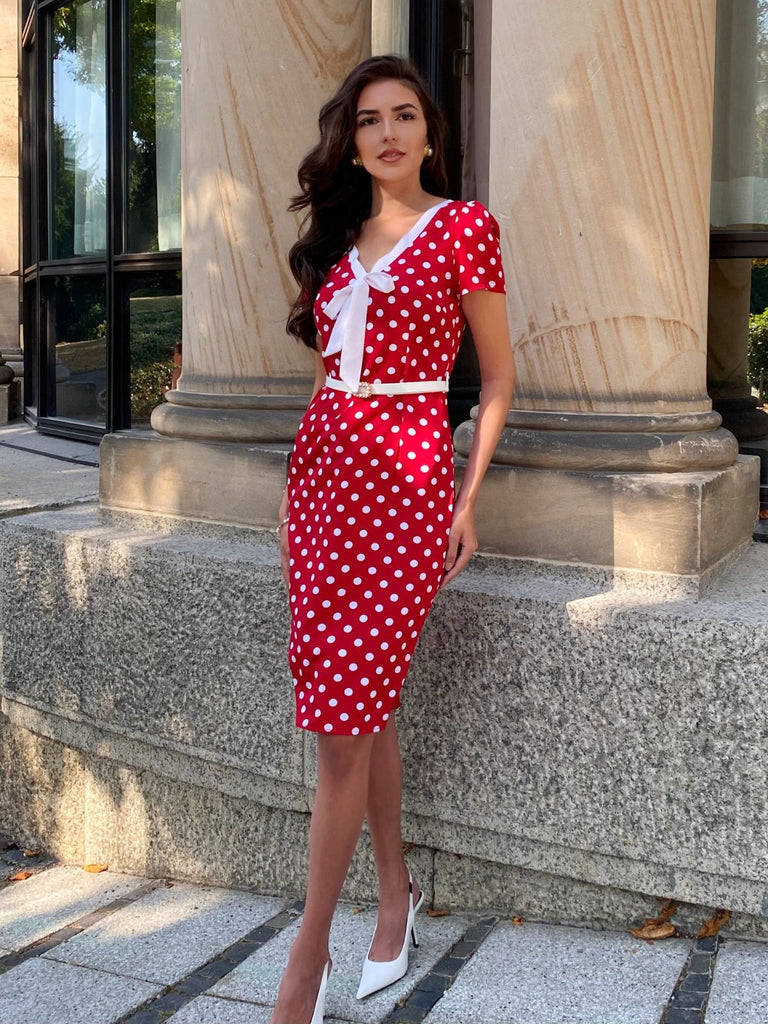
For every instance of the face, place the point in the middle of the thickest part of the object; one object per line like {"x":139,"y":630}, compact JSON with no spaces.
{"x":391,"y":130}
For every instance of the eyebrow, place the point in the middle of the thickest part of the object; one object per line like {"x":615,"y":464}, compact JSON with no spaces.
{"x":400,"y":106}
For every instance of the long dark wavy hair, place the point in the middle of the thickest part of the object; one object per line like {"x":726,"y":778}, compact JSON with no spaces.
{"x":337,"y":194}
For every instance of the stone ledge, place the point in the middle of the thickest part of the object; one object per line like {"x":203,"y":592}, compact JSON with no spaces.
{"x":551,"y":722}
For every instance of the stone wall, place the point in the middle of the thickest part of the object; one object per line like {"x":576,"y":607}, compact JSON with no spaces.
{"x":577,"y":743}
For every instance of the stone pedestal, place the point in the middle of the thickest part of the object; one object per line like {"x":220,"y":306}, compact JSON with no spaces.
{"x":10,"y":401}
{"x":603,"y":203}
{"x":249,"y":113}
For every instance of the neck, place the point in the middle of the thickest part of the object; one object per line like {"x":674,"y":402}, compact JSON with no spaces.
{"x":393,"y":199}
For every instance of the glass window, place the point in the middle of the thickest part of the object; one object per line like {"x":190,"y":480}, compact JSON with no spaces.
{"x":740,"y":153}
{"x":102,"y":210}
{"x":78,"y":204}
{"x":154,"y":126}
{"x":78,"y":348}
{"x":154,"y":302}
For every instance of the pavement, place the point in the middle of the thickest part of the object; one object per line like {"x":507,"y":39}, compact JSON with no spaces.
{"x":83,"y":947}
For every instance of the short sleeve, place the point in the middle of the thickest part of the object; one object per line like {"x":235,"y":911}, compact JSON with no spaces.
{"x":476,"y":250}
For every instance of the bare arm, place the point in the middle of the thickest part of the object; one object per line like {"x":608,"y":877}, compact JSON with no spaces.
{"x":486,"y":314}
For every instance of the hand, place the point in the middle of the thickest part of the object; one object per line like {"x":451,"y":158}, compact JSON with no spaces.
{"x":285,"y":554}
{"x":462,"y":543}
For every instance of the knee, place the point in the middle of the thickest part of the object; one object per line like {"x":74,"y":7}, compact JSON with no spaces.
{"x":338,"y":757}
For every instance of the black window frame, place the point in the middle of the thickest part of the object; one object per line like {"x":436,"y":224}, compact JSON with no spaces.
{"x":118,"y":265}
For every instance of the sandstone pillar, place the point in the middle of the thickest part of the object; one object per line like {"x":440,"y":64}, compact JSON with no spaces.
{"x":599,"y":160}
{"x":11,"y":364}
{"x":728,"y":327}
{"x":250,"y":100}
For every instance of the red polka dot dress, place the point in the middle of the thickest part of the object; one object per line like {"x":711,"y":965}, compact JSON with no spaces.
{"x":370,"y":483}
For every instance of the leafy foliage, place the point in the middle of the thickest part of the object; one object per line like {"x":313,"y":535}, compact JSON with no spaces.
{"x":155,"y":330}
{"x":757,"y":347}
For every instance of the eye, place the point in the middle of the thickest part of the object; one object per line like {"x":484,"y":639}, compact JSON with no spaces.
{"x":408,"y":116}
{"x":365,"y":122}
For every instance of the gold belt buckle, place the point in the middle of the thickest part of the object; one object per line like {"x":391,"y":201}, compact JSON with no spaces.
{"x":364,"y":390}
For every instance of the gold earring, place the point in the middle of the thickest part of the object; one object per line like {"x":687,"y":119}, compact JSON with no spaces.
{"x":428,"y":151}
{"x":356,"y":161}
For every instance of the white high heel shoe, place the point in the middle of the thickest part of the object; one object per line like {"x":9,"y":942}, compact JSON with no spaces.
{"x":317,"y":1014}
{"x":378,"y":974}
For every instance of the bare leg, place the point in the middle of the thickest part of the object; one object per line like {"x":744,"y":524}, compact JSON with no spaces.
{"x":337,"y":818}
{"x":385,"y":789}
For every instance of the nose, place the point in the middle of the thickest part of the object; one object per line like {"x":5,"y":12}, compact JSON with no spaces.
{"x":390,"y":129}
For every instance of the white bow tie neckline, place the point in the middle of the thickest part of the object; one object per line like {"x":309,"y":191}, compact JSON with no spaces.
{"x":349,"y":305}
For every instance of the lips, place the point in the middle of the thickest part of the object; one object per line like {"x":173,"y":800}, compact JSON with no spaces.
{"x":391,"y":154}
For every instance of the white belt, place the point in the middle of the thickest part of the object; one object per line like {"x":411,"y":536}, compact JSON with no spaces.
{"x":405,"y":387}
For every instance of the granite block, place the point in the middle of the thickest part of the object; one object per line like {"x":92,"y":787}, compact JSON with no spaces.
{"x":257,"y":979}
{"x":601,"y":733}
{"x":42,"y":795}
{"x":51,"y":993}
{"x":545,"y":974}
{"x":179,"y":640}
{"x":46,"y":902}
{"x":740,"y":985}
{"x":168,"y":933}
{"x":142,"y":821}
{"x":211,"y":1010}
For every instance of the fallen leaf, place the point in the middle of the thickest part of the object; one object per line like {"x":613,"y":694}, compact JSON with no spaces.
{"x":654,"y":930}
{"x":714,"y":924}
{"x":518,"y":920}
{"x":95,"y":868}
{"x":657,"y":927}
{"x":438,"y":911}
{"x":667,"y":911}
{"x":19,"y":876}
{"x":32,"y":853}
{"x":764,"y":513}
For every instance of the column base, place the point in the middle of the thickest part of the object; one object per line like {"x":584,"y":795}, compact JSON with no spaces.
{"x":609,"y":442}
{"x":230,"y":417}
{"x":219,"y":482}
{"x":743,"y":416}
{"x":14,"y":358}
{"x":680,"y":523}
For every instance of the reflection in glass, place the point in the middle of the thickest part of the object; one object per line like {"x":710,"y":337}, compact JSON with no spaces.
{"x":155,"y":324}
{"x":154,"y":125}
{"x":78,"y":345}
{"x":78,"y":130}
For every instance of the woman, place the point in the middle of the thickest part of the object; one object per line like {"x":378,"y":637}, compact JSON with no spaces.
{"x":389,"y":272}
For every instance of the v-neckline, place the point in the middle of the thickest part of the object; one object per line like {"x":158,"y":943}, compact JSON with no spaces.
{"x":399,"y":246}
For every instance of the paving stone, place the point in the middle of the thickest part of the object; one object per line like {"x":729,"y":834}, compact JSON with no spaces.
{"x":212,"y":1010}
{"x":548,"y":974}
{"x":740,"y":986}
{"x":169,"y":932}
{"x":46,"y":902}
{"x":46,"y":992}
{"x":256,"y":979}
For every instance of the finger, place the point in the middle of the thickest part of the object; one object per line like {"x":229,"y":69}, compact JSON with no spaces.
{"x":465,"y":554}
{"x":452,"y":552}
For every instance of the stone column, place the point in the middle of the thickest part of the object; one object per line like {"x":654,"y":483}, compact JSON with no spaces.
{"x":253,"y":83}
{"x":728,"y":326}
{"x":599,"y":172}
{"x":11,"y":364}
